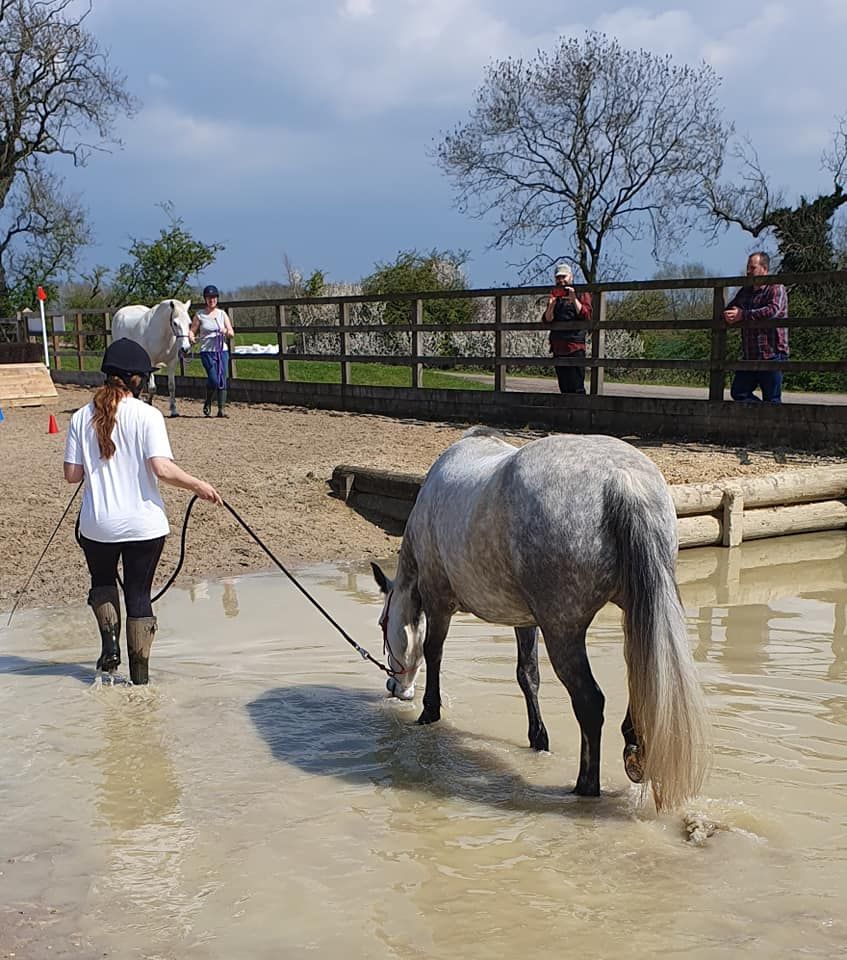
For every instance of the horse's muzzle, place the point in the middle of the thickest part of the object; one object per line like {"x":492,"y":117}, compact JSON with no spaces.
{"x":394,"y":688}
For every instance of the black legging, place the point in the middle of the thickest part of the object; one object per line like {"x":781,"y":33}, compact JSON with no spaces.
{"x":140,"y":559}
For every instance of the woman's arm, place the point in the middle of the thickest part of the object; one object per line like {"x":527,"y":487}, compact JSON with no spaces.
{"x":228,"y":325}
{"x":175,"y":476}
{"x":73,"y":472}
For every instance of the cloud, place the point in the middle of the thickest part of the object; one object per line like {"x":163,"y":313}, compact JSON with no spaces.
{"x":157,"y":81}
{"x":357,"y":9}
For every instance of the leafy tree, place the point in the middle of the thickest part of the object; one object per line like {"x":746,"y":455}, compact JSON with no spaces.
{"x":163,"y":267}
{"x":805,"y":239}
{"x":414,"y":272}
{"x":58,"y":96}
{"x":587,"y":144}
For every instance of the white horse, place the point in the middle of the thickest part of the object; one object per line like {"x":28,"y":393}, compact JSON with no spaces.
{"x":163,"y":331}
{"x":543,"y":536}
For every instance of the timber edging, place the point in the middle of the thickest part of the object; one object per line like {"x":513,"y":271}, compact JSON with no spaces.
{"x":708,"y":514}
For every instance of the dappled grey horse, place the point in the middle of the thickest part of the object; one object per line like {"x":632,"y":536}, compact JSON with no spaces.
{"x":543,"y":536}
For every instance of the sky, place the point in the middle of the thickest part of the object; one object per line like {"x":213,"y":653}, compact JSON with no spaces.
{"x":305,"y":128}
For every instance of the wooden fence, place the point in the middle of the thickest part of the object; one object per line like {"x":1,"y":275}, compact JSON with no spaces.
{"x":72,"y":336}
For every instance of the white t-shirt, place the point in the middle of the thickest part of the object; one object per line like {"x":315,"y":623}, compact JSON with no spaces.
{"x":212,"y":326}
{"x":121,"y":499}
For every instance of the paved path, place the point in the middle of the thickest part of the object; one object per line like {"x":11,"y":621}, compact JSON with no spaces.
{"x":549,"y":385}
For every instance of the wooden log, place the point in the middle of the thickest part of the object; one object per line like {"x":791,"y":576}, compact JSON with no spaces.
{"x":387,"y":483}
{"x":691,"y":499}
{"x":799,"y":518}
{"x":704,"y":531}
{"x":796,"y":486}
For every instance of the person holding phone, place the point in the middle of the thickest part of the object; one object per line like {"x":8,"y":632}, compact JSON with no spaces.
{"x":565,"y":305}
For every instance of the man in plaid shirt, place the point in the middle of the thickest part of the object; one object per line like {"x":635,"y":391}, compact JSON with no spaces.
{"x":765,"y":302}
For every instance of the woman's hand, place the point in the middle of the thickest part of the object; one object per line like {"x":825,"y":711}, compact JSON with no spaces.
{"x":205,"y":491}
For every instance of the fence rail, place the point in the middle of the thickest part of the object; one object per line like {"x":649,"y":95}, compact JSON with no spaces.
{"x":71,"y":340}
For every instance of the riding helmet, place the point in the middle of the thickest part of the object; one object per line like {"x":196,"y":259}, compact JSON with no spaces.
{"x":125,"y":356}
{"x":210,"y":291}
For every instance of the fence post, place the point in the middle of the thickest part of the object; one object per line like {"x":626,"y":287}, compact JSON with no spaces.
{"x":598,"y":346}
{"x":499,"y":369}
{"x":416,"y":319}
{"x":343,"y":336}
{"x":281,"y":321}
{"x":79,"y":342}
{"x":233,"y":371}
{"x":718,"y":353}
{"x":54,"y":338}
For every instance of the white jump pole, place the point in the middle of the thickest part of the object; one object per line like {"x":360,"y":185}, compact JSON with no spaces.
{"x":42,"y":296}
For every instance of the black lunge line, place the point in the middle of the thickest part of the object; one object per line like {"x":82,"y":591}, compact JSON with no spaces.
{"x":363,"y":653}
{"x":38,"y":561}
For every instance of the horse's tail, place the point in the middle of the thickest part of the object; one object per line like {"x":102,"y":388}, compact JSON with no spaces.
{"x":665,"y":698}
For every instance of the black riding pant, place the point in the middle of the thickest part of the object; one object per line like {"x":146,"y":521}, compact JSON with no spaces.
{"x":140,"y":559}
{"x":572,"y":379}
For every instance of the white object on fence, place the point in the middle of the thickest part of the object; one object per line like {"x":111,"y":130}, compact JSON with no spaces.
{"x":270,"y":349}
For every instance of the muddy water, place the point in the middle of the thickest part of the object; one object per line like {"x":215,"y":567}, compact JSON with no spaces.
{"x":262,"y":799}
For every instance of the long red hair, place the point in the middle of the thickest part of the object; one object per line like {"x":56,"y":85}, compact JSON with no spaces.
{"x":106,"y":402}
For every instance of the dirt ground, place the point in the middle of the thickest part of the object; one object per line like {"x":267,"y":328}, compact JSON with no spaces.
{"x":271,"y":464}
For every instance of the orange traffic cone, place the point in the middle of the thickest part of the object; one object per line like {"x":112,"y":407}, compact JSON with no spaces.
{"x":52,"y":427}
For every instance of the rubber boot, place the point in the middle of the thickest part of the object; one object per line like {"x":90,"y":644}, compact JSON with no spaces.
{"x":207,"y":406}
{"x":140,"y":632}
{"x":222,"y":403}
{"x":106,"y":605}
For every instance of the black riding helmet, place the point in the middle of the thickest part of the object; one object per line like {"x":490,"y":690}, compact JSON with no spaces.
{"x":124,"y":357}
{"x":210,"y":291}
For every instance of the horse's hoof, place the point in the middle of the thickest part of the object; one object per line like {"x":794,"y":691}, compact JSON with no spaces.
{"x":540,"y":741}
{"x":426,"y":718}
{"x":174,"y":413}
{"x":586,"y":790}
{"x":632,"y":763}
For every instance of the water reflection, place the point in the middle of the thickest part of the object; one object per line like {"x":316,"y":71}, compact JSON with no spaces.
{"x":200,"y":591}
{"x":744,"y":603}
{"x":139,"y":786}
{"x":138,"y":800}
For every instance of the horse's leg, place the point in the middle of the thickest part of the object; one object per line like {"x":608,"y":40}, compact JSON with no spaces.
{"x":437,"y":625}
{"x":570,"y":661}
{"x":632,"y":750}
{"x":172,"y":390}
{"x":528,"y":681}
{"x":151,"y":389}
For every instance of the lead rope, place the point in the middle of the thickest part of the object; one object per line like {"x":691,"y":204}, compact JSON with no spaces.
{"x":363,"y":653}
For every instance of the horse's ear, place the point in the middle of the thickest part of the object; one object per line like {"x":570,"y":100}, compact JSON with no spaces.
{"x":381,"y":580}
{"x":187,"y":304}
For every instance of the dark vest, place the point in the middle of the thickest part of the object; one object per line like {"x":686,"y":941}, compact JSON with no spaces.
{"x":564,"y":312}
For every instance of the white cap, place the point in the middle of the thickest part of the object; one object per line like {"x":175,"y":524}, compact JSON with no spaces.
{"x":563,"y":270}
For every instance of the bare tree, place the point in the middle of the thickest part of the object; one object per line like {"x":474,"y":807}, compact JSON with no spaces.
{"x":749,"y":200}
{"x":584,"y":145}
{"x":58,"y":96}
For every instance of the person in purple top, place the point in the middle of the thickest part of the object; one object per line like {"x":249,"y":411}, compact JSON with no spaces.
{"x":764,"y":302}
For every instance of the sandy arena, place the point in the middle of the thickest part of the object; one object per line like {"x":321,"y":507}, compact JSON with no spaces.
{"x":271,"y":464}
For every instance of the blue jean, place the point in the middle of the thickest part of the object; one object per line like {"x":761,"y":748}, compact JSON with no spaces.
{"x":770,"y":381}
